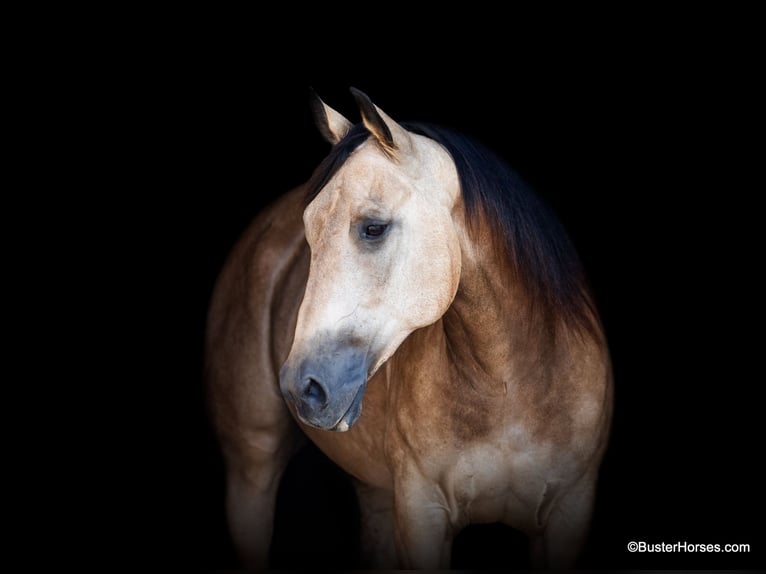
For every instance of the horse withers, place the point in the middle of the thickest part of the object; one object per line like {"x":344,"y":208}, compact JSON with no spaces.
{"x":422,"y":317}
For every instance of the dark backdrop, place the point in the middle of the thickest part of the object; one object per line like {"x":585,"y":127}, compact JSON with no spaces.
{"x":635,"y":139}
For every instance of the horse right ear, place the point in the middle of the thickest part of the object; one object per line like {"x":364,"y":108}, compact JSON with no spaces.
{"x":332,"y":125}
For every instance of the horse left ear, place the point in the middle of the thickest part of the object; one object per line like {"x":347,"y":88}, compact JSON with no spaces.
{"x":332,"y":125}
{"x":390,"y":135}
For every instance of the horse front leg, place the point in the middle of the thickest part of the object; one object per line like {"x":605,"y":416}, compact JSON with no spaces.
{"x":254,"y":468}
{"x":423,"y":532}
{"x":376,"y":507}
{"x":566,"y":527}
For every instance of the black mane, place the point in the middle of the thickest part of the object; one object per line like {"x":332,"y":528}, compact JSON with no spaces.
{"x":537,"y":245}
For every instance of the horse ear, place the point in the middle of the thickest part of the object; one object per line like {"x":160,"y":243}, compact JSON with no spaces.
{"x":332,"y":125}
{"x":389,"y":134}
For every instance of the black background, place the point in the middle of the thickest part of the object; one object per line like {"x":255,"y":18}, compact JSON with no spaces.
{"x":637,"y":134}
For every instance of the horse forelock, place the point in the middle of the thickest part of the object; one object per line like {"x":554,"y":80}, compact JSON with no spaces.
{"x":338,"y":155}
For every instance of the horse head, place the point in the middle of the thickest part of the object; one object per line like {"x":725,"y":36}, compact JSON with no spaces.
{"x":385,"y":260}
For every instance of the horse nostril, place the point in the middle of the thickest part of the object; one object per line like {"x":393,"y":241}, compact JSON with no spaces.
{"x":314,"y":393}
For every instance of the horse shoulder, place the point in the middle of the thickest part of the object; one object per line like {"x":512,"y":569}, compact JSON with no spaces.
{"x":258,"y":290}
{"x":580,"y":398}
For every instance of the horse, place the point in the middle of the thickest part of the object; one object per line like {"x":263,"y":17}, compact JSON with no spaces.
{"x":421,"y":315}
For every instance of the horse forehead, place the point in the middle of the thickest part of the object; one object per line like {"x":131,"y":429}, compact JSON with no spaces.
{"x":363,"y":183}
{"x":370,"y":174}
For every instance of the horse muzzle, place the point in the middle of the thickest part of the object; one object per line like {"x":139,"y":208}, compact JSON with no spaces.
{"x":326,"y":388}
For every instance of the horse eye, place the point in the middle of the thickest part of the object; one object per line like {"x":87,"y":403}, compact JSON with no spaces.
{"x":373,"y":230}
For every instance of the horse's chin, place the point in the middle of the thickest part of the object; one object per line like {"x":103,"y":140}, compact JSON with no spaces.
{"x":352,"y":414}
{"x":355,"y":410}
{"x":341,"y":424}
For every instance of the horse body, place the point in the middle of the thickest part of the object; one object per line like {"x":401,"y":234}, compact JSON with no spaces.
{"x":478,"y":406}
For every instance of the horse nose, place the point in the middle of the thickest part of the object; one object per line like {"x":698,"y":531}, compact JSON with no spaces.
{"x":313,"y":393}
{"x":325,"y":388}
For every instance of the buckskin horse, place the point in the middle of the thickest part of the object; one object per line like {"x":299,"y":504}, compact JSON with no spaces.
{"x":422,"y":317}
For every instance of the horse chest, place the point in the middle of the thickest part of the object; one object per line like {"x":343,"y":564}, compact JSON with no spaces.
{"x":487,"y":465}
{"x":496,"y":480}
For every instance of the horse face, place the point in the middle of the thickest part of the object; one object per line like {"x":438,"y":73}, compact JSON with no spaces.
{"x":385,"y":261}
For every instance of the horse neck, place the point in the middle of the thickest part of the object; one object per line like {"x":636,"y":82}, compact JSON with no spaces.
{"x":491,"y":327}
